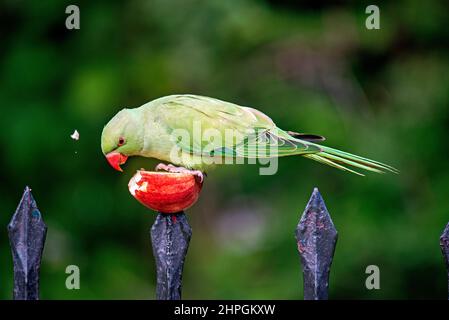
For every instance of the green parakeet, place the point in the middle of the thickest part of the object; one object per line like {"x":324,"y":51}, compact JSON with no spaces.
{"x":195,"y":132}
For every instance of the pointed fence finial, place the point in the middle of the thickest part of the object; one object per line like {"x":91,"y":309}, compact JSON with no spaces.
{"x":27,"y":232}
{"x":444,"y":243}
{"x":170,"y":237}
{"x":316,"y":238}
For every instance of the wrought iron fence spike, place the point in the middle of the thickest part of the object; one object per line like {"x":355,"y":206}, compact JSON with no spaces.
{"x":444,"y":243}
{"x":316,"y":239}
{"x":27,"y":232}
{"x":170,"y":237}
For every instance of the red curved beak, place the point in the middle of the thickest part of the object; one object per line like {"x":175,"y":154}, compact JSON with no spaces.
{"x":116,"y":159}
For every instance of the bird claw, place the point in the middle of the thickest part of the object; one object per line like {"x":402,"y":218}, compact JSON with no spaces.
{"x":172,"y":168}
{"x":165,"y":167}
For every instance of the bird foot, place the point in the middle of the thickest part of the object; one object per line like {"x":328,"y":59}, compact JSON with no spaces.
{"x":172,"y":168}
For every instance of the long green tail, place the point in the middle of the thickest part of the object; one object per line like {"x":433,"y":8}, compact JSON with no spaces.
{"x":339,"y":159}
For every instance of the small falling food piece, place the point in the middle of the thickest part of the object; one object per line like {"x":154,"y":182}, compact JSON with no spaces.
{"x":75,"y":135}
{"x":165,"y":192}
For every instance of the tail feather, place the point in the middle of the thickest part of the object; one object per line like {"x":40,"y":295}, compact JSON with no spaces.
{"x":331,"y":163}
{"x":339,"y":159}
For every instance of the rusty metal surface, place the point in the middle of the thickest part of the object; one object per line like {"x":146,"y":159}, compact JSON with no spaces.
{"x":27,"y":232}
{"x":316,"y":239}
{"x":170,"y":237}
{"x":444,"y":243}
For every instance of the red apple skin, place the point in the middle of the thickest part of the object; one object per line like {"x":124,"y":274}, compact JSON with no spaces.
{"x":165,"y":192}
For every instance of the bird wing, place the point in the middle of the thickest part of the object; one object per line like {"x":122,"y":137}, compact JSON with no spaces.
{"x":219,"y":128}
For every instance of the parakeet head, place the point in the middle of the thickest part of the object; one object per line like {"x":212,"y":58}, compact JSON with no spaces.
{"x":122,"y":137}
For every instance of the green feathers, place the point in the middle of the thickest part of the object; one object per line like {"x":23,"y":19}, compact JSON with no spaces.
{"x":340,"y":160}
{"x":124,"y":133}
{"x":205,"y":128}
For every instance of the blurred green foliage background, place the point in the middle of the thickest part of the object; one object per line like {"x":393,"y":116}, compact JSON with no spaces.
{"x":312,"y":67}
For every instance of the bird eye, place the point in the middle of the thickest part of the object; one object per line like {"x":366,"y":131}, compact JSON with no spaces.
{"x":121,"y":141}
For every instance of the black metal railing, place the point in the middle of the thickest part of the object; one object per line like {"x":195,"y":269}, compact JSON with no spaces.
{"x":27,"y":233}
{"x":316,"y":238}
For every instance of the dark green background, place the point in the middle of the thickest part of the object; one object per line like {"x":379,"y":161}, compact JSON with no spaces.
{"x":311,"y":67}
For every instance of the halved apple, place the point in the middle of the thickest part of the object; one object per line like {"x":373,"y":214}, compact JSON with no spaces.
{"x":165,"y":192}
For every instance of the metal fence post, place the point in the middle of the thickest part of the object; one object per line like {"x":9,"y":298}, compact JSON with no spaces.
{"x":27,"y":233}
{"x":170,"y":237}
{"x":316,"y":239}
{"x":444,"y":243}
